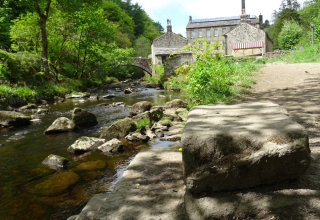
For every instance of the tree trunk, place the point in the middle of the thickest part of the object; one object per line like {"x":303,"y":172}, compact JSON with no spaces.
{"x":42,"y":19}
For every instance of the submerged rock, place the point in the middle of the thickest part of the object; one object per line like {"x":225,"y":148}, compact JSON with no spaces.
{"x":60,"y":125}
{"x":15,"y":119}
{"x":56,"y":183}
{"x":55,"y":162}
{"x":109,"y":96}
{"x":85,"y":144}
{"x":112,"y":146}
{"x":83,"y":118}
{"x":140,"y":107}
{"x":119,"y":129}
{"x":92,"y":165}
{"x":227,"y":147}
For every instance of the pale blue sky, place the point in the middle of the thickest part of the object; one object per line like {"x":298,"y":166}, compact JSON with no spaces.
{"x":180,"y":10}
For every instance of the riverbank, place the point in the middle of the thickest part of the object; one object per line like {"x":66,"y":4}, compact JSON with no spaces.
{"x":289,"y":200}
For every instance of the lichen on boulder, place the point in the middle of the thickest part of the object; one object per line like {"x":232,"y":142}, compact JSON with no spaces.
{"x":60,"y":125}
{"x":227,"y":147}
{"x":119,"y":129}
{"x":85,"y":144}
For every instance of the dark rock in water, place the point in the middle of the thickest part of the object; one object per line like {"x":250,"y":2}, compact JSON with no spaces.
{"x":28,"y":107}
{"x":176,"y":103}
{"x":137,"y":137}
{"x":227,"y":147}
{"x":112,"y":146}
{"x":119,"y":129}
{"x":15,"y":119}
{"x":42,"y":111}
{"x":55,"y":162}
{"x":128,"y":91}
{"x":79,"y":95}
{"x":83,"y":118}
{"x":56,"y":184}
{"x":156,"y":113}
{"x":94,"y":98}
{"x":140,"y":107}
{"x":85,"y":144}
{"x":92,"y":165}
{"x":60,"y":125}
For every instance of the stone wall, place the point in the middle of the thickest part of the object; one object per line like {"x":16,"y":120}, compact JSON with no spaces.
{"x":173,"y":62}
{"x":276,"y":53}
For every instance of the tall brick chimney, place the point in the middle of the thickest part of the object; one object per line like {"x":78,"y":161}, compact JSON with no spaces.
{"x":169,"y":27}
{"x":243,"y":7}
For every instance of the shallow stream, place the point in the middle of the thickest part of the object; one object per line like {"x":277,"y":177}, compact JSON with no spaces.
{"x":23,"y":149}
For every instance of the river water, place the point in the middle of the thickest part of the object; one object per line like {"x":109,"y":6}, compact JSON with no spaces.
{"x":23,"y":149}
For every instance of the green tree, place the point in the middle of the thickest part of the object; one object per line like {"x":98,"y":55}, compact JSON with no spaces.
{"x":290,"y":35}
{"x":43,"y":15}
{"x":142,"y":46}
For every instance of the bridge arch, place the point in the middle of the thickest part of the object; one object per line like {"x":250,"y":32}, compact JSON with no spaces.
{"x":142,"y":63}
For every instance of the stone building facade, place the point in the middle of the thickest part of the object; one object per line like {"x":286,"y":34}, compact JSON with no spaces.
{"x":167,"y":44}
{"x":247,"y":40}
{"x":237,"y":35}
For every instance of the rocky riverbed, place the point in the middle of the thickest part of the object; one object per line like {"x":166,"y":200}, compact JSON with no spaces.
{"x":29,"y":188}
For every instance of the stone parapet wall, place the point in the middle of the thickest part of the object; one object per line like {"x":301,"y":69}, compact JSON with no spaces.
{"x":173,"y":62}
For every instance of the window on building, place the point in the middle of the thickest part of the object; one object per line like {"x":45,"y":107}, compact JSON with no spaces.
{"x":224,"y":30}
{"x":192,"y":34}
{"x":200,"y":33}
{"x":216,"y":32}
{"x":208,"y":32}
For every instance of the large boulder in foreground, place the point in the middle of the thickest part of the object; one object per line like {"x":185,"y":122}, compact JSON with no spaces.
{"x":60,"y":125}
{"x":15,"y":119}
{"x":83,"y":118}
{"x":228,"y":147}
{"x":140,"y":107}
{"x":85,"y":144}
{"x":119,"y":129}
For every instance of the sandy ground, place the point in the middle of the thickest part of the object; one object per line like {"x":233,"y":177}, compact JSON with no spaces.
{"x":296,"y":87}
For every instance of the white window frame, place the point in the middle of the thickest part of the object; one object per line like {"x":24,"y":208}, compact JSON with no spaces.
{"x":200,"y":33}
{"x":192,"y":34}
{"x":208,"y":33}
{"x":216,"y":32}
{"x":224,"y":30}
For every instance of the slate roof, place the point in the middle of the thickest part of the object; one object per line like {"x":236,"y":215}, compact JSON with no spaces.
{"x":219,"y":22}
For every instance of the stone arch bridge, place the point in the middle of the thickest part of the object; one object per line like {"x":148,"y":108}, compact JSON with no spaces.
{"x":142,"y":63}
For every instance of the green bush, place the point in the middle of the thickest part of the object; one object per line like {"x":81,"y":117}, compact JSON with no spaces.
{"x":212,"y":78}
{"x":143,"y":123}
{"x":290,"y":35}
{"x":158,"y":75}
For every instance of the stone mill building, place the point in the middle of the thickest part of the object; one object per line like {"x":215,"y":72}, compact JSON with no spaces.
{"x":167,"y":44}
{"x":239,"y":35}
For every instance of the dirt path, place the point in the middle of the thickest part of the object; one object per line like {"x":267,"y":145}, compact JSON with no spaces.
{"x":296,"y":87}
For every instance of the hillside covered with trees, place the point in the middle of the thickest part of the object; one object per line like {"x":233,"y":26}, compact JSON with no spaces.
{"x":292,"y":24}
{"x":54,"y":46}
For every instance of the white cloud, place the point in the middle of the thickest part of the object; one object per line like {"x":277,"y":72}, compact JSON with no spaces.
{"x":151,"y":6}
